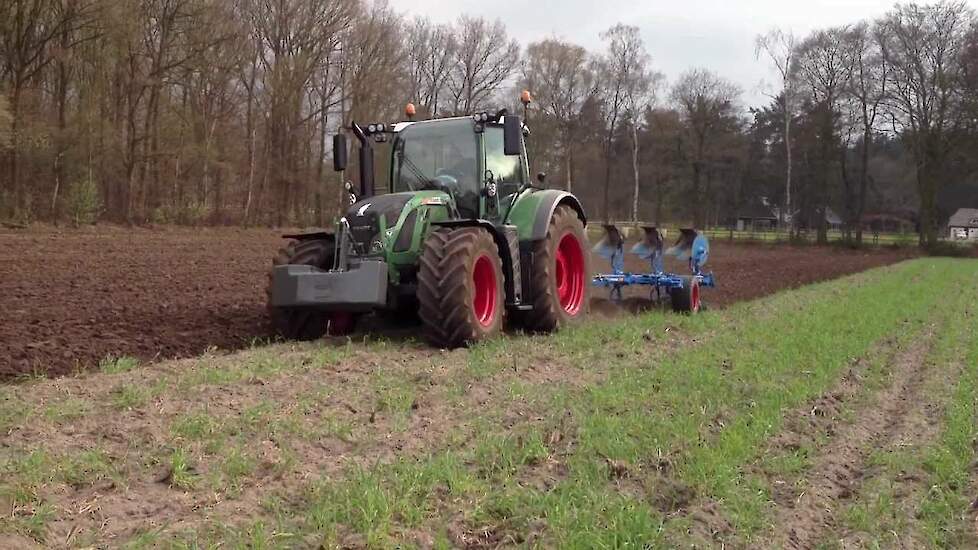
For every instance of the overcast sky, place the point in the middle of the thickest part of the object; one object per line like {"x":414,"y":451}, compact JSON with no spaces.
{"x":715,"y":34}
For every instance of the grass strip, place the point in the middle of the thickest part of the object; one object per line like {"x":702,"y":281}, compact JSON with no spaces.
{"x":944,"y":511}
{"x":639,"y":445}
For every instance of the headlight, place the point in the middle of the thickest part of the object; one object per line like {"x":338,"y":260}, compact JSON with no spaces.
{"x":372,"y":128}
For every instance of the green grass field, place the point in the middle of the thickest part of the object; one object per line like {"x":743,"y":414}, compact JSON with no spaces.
{"x":649,"y":431}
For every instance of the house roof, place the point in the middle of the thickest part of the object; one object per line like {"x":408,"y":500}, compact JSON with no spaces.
{"x":964,"y":217}
{"x":756,"y":210}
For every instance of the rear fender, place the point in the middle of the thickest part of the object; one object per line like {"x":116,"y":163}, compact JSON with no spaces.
{"x":501,"y":244}
{"x":534,"y":210}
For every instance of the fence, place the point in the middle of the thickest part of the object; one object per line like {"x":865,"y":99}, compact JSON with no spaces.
{"x":726,"y":234}
{"x":869,"y":237}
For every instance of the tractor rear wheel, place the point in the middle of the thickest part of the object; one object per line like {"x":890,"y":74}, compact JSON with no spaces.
{"x":460,"y":287}
{"x":560,"y":284}
{"x":307,"y":324}
{"x":687,"y":298}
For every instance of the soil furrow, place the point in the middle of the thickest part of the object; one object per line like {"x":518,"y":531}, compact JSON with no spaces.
{"x":897,"y":412}
{"x":905,"y":485}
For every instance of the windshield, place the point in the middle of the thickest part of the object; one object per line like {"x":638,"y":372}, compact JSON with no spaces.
{"x":437,"y":155}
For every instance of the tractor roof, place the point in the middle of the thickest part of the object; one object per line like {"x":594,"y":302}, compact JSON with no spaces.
{"x":399,"y":126}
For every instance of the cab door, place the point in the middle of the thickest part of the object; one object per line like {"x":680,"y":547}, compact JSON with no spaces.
{"x":503,"y":175}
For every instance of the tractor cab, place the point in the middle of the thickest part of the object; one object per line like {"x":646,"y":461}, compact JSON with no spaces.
{"x":463,"y":157}
{"x":479,"y":162}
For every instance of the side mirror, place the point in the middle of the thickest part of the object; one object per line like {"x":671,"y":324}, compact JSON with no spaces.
{"x":339,"y":152}
{"x":512,"y":135}
{"x":541,"y":177}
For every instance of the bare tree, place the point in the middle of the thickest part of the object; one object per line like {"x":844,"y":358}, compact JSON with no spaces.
{"x":867,"y":90}
{"x":431,"y":51}
{"x":563,"y":79}
{"x":5,"y":123}
{"x":640,"y":98}
{"x":779,"y":46}
{"x":373,"y":57}
{"x":706,"y":103}
{"x":825,"y":65}
{"x":294,"y":38}
{"x":622,"y":69}
{"x":924,"y":46}
{"x":485,"y":57}
{"x":27,"y":29}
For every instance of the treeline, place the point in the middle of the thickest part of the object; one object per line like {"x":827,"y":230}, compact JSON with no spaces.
{"x":220,"y":111}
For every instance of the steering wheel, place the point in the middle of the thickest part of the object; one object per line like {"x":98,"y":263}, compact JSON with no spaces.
{"x":444,"y":182}
{"x":454,"y":174}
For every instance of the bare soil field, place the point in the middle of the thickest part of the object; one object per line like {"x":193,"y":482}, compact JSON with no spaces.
{"x":69,"y":299}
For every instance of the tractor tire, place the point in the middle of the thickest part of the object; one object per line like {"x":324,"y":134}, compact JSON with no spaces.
{"x":687,"y":298}
{"x":307,"y":324}
{"x":460,"y":287}
{"x":560,"y":284}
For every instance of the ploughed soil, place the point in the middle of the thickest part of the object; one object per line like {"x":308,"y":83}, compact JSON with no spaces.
{"x":70,"y":298}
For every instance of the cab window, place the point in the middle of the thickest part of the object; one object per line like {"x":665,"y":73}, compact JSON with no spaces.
{"x":507,"y":170}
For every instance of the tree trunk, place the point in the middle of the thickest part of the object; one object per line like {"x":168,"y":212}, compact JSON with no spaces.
{"x":850,"y":216}
{"x":697,"y":195}
{"x":18,"y":193}
{"x":658,"y":199}
{"x":863,"y":184}
{"x":607,"y":177}
{"x":567,"y":160}
{"x":635,"y":172}
{"x":320,"y":168}
{"x":786,"y":216}
{"x":928,"y":178}
{"x":250,"y":129}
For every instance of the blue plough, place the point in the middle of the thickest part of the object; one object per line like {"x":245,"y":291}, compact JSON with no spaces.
{"x":683,"y":290}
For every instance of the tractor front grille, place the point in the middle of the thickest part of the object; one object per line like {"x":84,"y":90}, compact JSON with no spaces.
{"x":365,"y":216}
{"x":364,"y":230}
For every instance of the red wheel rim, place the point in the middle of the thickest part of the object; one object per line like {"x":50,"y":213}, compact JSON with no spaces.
{"x":340,"y":323}
{"x":570,"y":274}
{"x":694,"y":302}
{"x":486,"y":291}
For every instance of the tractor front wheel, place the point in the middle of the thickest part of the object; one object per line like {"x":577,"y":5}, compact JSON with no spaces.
{"x":460,"y":287}
{"x":687,"y":298}
{"x":560,"y":282}
{"x":307,"y":324}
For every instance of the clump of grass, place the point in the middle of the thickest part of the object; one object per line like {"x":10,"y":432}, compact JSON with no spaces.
{"x":67,"y":409}
{"x":87,"y":467}
{"x":395,"y":396}
{"x":129,"y":396}
{"x":196,"y":426}
{"x":182,"y":474}
{"x":235,"y":468}
{"x":116,"y":365}
{"x":25,"y":480}
{"x":13,"y":411}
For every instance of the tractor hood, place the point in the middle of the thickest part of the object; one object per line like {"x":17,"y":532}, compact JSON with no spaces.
{"x":374,"y":221}
{"x":366,"y":217}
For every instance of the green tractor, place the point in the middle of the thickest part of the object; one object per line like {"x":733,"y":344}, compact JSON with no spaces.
{"x":462,"y":238}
